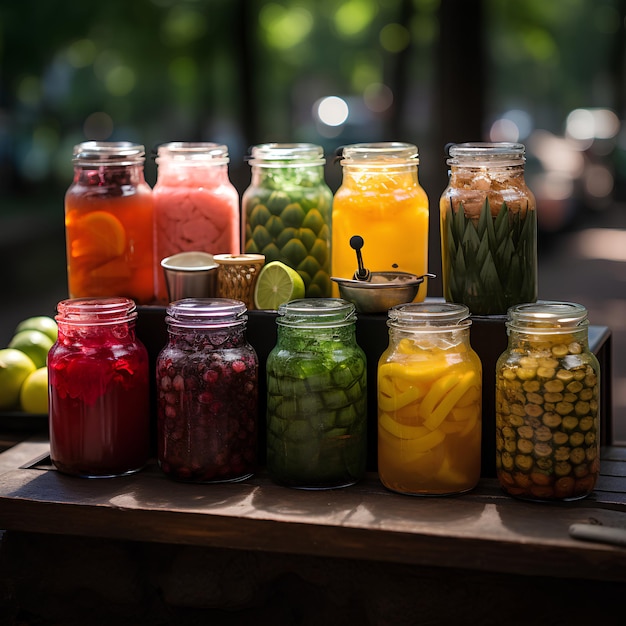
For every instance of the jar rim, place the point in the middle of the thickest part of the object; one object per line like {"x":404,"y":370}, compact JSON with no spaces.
{"x":316,"y":313}
{"x":95,"y":311}
{"x":480,"y":153}
{"x":100,"y":153}
{"x":379,"y":153}
{"x":429,"y":315}
{"x":198,"y":152}
{"x":206,"y":313}
{"x":545,"y":316}
{"x":286,"y":155}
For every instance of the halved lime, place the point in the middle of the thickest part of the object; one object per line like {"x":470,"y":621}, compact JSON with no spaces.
{"x":277,"y":283}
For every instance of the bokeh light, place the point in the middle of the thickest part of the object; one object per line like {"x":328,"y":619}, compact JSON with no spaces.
{"x":332,"y":111}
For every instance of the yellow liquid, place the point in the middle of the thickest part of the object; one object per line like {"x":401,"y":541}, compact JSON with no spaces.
{"x":389,"y":209}
{"x":429,"y":420}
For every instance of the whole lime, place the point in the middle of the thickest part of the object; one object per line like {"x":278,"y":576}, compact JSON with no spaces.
{"x":15,"y":366}
{"x":34,"y":392}
{"x":33,"y":343}
{"x":42,"y":323}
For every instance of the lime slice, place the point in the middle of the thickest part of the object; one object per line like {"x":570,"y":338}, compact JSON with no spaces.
{"x":277,"y":283}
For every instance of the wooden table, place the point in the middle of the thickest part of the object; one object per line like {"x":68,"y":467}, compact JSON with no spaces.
{"x":483,"y":530}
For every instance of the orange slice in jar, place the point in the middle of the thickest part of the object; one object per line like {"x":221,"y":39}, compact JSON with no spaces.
{"x":98,"y":234}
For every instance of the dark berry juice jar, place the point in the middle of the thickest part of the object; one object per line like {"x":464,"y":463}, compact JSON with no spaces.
{"x":207,"y":386}
{"x":98,"y":389}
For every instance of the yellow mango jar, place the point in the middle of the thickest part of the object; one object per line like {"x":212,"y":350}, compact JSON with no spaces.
{"x":429,"y":401}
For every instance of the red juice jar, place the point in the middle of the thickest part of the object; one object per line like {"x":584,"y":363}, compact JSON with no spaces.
{"x":196,"y":207}
{"x":99,"y":393}
{"x":207,"y":393}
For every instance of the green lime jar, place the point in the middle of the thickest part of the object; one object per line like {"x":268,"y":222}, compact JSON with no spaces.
{"x":316,"y":396}
{"x":287,"y":211}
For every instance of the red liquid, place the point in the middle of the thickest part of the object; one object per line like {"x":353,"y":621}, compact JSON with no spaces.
{"x":99,"y":404}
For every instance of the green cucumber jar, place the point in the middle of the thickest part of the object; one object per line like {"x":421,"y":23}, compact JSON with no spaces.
{"x":547,"y":404}
{"x":316,"y":396}
{"x":488,"y":222}
{"x":286,"y":211}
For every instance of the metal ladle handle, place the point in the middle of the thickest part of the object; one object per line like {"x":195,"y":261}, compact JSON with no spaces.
{"x":356,"y":243}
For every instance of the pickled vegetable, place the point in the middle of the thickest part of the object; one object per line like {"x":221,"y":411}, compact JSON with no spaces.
{"x":488,"y":229}
{"x":547,"y":439}
{"x":429,"y":419}
{"x":288,"y":219}
{"x":316,"y":408}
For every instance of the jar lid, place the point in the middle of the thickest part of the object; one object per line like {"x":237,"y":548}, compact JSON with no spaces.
{"x":429,"y":315}
{"x":205,"y":313}
{"x":480,"y":154}
{"x":383,"y":153}
{"x":286,"y":155}
{"x":100,"y":153}
{"x":193,"y":152}
{"x":547,"y":316}
{"x":316,"y":313}
{"x":95,"y":311}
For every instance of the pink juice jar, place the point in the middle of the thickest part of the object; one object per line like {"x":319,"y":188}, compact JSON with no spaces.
{"x":196,"y":207}
{"x":98,"y":390}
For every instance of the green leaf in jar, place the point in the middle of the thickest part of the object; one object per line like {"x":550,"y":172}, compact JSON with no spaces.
{"x":277,"y":202}
{"x":307,"y":237}
{"x":285,"y":236}
{"x":293,"y":215}
{"x":259,"y":216}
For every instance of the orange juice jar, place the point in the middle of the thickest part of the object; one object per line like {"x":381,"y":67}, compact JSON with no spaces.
{"x":429,"y":397}
{"x":381,"y":200}
{"x":109,"y":223}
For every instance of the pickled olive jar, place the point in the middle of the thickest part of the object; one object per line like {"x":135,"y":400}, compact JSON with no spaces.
{"x":381,"y":200}
{"x":99,"y":389}
{"x":109,"y":223}
{"x":488,"y":229}
{"x":429,"y":401}
{"x":316,"y":396}
{"x":547,"y":405}
{"x":207,"y":393}
{"x":196,"y":207}
{"x":286,"y":210}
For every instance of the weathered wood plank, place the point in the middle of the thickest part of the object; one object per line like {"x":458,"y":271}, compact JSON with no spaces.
{"x":484,"y":530}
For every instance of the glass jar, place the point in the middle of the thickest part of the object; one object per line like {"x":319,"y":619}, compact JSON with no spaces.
{"x":547,"y":405}
{"x":196,"y":207}
{"x":488,"y":229}
{"x":109,"y":223}
{"x":98,"y":389}
{"x":207,"y":393}
{"x":286,"y":210}
{"x":381,"y":200}
{"x":429,"y":401}
{"x":316,"y":402}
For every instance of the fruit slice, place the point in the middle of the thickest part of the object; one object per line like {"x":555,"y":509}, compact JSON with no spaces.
{"x":98,"y":234}
{"x":277,"y":283}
